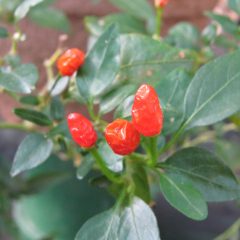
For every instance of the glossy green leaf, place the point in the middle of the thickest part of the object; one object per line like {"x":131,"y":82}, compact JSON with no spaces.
{"x":3,"y":32}
{"x":213,"y":94}
{"x":113,"y":161}
{"x":234,"y":5}
{"x":205,"y":172}
{"x":149,"y":63}
{"x":60,"y":86}
{"x":33,"y":116}
{"x":171,"y":91}
{"x":22,"y":79}
{"x":101,"y":65}
{"x":85,"y":167}
{"x":126,"y":24}
{"x":50,"y":17}
{"x":23,"y":9}
{"x":227,"y":24}
{"x":33,"y":150}
{"x":136,"y":222}
{"x":184,"y":35}
{"x":30,"y":100}
{"x":124,"y":109}
{"x":183,"y":197}
{"x":113,"y":98}
{"x":57,"y":111}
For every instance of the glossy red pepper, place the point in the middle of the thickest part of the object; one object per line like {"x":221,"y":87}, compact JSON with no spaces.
{"x":82,"y":130}
{"x":70,"y":61}
{"x":161,"y":3}
{"x":147,"y":114}
{"x":122,"y":137}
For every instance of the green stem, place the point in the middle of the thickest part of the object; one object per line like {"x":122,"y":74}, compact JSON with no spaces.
{"x":153,"y":149}
{"x":15,"y":126}
{"x":159,"y":14}
{"x":108,"y":173}
{"x":173,"y":140}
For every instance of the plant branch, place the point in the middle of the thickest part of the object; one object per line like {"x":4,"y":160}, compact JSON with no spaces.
{"x":108,"y":173}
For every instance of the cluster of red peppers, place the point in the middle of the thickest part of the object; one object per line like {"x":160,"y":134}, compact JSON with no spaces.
{"x":122,"y":136}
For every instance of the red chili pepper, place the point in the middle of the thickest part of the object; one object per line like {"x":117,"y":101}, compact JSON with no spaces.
{"x":82,"y":130}
{"x":122,"y":137}
{"x":161,"y":3}
{"x":70,"y":61}
{"x":147,"y":114}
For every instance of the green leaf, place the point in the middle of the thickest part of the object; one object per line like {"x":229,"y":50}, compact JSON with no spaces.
{"x":50,"y":17}
{"x":57,"y":109}
{"x":184,"y":35}
{"x":3,"y":32}
{"x":23,"y":9}
{"x":209,"y":33}
{"x":227,"y":24}
{"x":85,"y":167}
{"x":124,"y":109}
{"x":125,"y":23}
{"x":183,"y":197}
{"x":13,"y":60}
{"x":110,"y":101}
{"x":171,"y":91}
{"x":21,"y":79}
{"x":101,"y":65}
{"x":113,"y":161}
{"x":234,"y":5}
{"x":60,"y":129}
{"x":30,"y":100}
{"x":60,"y":86}
{"x":136,"y":222}
{"x":144,"y":59}
{"x":33,"y":150}
{"x":139,"y":8}
{"x":213,"y":94}
{"x":205,"y":172}
{"x":229,"y":151}
{"x":33,"y":116}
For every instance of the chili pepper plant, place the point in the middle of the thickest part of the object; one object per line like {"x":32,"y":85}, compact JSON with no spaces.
{"x":151,"y":101}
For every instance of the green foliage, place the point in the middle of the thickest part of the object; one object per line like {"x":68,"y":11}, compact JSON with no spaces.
{"x":195,"y":87}
{"x":204,"y":171}
{"x":34,"y":150}
{"x":184,"y":35}
{"x":134,"y":222}
{"x":21,"y":79}
{"x":101,"y":65}
{"x":183,"y":197}
{"x":33,"y":116}
{"x":213,"y":88}
{"x":3,"y":32}
{"x":23,"y":9}
{"x":234,"y":5}
{"x":50,"y":17}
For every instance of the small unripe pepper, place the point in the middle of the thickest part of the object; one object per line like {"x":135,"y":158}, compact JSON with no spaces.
{"x":70,"y":61}
{"x":147,"y":114}
{"x":161,"y":3}
{"x":82,"y":130}
{"x":122,"y":137}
